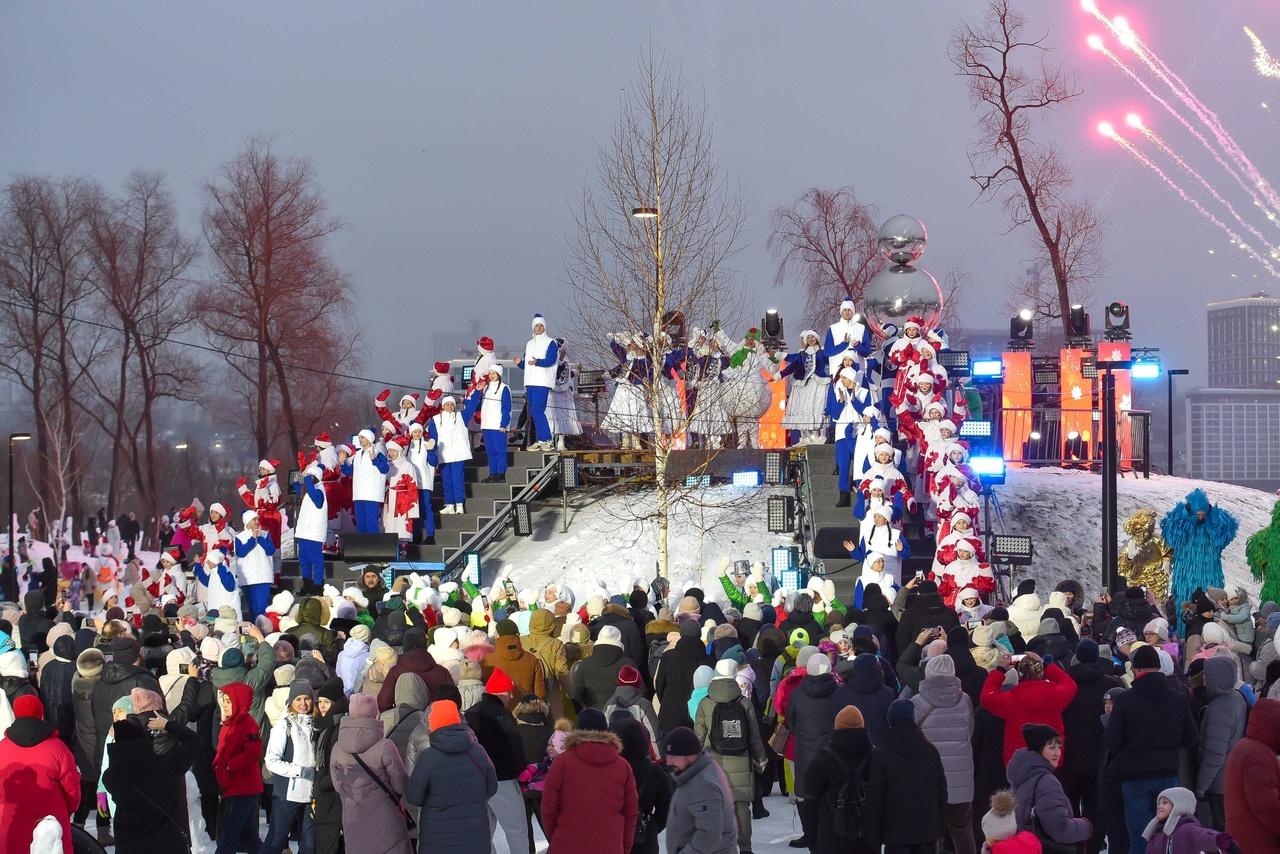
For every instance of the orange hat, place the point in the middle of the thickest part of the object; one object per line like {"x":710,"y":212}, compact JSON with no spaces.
{"x":499,"y":682}
{"x":443,"y":713}
{"x":850,"y":717}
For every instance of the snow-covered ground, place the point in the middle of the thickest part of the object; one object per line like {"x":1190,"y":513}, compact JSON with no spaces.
{"x":610,"y":542}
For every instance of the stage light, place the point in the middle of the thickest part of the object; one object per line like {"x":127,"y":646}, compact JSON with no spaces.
{"x":523,"y":521}
{"x":775,"y":467}
{"x":697,"y":480}
{"x":1012,"y":549}
{"x":990,"y":470}
{"x":1034,"y":436}
{"x":1117,"y":322}
{"x":781,"y":558}
{"x":467,"y":372}
{"x":569,"y":472}
{"x":786,"y":569}
{"x":1078,"y":326}
{"x":956,"y":362}
{"x":746,"y":478}
{"x":1089,"y":6}
{"x":782,"y":514}
{"x":987,"y":370}
{"x":977,"y":429}
{"x":771,"y":327}
{"x":1074,"y":449}
{"x":471,"y":568}
{"x":1145,"y":369}
{"x":1021,"y":330}
{"x":1046,"y":370}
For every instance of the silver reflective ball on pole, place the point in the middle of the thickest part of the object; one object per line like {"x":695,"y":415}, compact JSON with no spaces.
{"x":902,"y":239}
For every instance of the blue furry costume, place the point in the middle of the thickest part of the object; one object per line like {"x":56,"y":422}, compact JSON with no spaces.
{"x":1197,"y":546}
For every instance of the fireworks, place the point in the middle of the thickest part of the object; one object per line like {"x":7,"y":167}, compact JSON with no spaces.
{"x":1263,"y":61}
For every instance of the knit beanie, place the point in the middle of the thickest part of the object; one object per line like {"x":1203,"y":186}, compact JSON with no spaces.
{"x":638,"y":599}
{"x":628,"y":675}
{"x":1038,"y":735}
{"x":232,"y":658}
{"x":901,"y":712}
{"x":727,"y":668}
{"x":592,"y":719}
{"x":499,"y":682}
{"x":934,"y":648}
{"x":146,"y":701}
{"x":681,"y":741}
{"x":798,"y":638}
{"x":361,"y":632}
{"x":690,"y":629}
{"x":1145,"y":658}
{"x":609,"y":636}
{"x":753,"y":611}
{"x":817,"y":665}
{"x":1125,"y":636}
{"x":805,"y":653}
{"x":507,"y":628}
{"x":1159,"y":627}
{"x":850,"y":718}
{"x":28,"y":706}
{"x":1028,"y":585}
{"x":939,"y":665}
{"x":1000,"y":823}
{"x":1213,"y":633}
{"x":442,"y":713}
{"x":1086,"y":651}
{"x":332,"y":690}
{"x":999,"y":613}
{"x":300,"y":688}
{"x":1183,"y":802}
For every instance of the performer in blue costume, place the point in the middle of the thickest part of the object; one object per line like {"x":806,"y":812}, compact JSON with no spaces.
{"x":1197,"y":532}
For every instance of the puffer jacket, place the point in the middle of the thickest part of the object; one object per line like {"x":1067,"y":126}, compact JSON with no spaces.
{"x":811,"y":713}
{"x":1222,"y":724}
{"x":400,"y":721}
{"x":311,"y":622}
{"x":596,"y":677}
{"x":257,"y":678}
{"x":367,"y":813}
{"x":452,"y":783}
{"x":944,"y":714}
{"x":866,"y":691}
{"x":543,"y":644}
{"x":1024,"y":612}
{"x":55,"y":689}
{"x":590,"y":794}
{"x":738,"y":769}
{"x":522,"y":666}
{"x":1037,"y":789}
{"x":1253,"y":782}
{"x":89,"y":666}
{"x":351,"y":663}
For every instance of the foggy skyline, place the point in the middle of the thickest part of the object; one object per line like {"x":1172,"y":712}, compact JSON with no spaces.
{"x":452,"y":139}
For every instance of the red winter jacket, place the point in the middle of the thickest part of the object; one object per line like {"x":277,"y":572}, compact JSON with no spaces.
{"x":589,"y":797}
{"x":1036,"y":701}
{"x":1253,"y":781}
{"x":238,"y":760}
{"x":38,"y":777}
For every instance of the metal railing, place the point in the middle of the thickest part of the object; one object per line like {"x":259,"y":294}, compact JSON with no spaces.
{"x":454,"y":566}
{"x":1072,"y":439}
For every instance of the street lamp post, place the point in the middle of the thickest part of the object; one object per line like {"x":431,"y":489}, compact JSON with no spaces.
{"x":659,"y":296}
{"x":1110,"y":466}
{"x":1172,"y":372}
{"x":11,"y":577}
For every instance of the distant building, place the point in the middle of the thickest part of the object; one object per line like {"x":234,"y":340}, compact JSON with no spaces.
{"x":1233,"y":436}
{"x":1244,"y":343}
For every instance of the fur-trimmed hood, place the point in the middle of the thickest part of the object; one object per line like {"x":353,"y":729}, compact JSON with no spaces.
{"x":593,"y":743}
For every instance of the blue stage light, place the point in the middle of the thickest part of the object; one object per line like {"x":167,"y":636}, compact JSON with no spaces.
{"x":746,"y":478}
{"x":987,"y":369}
{"x":1146,"y":369}
{"x":697,"y":480}
{"x":990,"y":470}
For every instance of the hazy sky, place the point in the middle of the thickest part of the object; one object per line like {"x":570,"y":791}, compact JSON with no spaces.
{"x":452,"y":137}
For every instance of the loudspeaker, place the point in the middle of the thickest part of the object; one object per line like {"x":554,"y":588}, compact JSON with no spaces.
{"x":368,"y":548}
{"x":827,"y":543}
{"x":290,"y":569}
{"x":341,"y":573}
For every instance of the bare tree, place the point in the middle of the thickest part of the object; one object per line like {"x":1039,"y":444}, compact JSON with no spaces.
{"x":139,"y":260}
{"x":628,"y":273}
{"x":1027,"y":175}
{"x":827,"y":240}
{"x":275,"y":304}
{"x":44,"y":271}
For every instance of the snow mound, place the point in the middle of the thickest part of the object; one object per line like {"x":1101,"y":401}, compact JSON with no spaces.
{"x":613,"y":541}
{"x":1061,"y":510}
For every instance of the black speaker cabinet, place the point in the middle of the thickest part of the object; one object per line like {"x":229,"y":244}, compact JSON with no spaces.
{"x":367,"y":548}
{"x":827,"y":542}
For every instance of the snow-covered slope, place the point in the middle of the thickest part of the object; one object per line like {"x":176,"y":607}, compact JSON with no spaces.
{"x":607,"y":542}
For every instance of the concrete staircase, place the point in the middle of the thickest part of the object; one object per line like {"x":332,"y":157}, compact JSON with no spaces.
{"x":832,"y":525}
{"x":484,"y":501}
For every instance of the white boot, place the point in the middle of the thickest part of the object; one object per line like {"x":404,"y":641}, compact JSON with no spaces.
{"x":559,"y":443}
{"x":459,"y":509}
{"x":446,"y":510}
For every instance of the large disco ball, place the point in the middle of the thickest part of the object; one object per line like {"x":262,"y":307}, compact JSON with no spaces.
{"x":900,"y":292}
{"x":902,"y":239}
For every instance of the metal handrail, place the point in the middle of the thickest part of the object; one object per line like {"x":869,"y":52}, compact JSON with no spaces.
{"x":804,"y":512}
{"x":455,"y":565}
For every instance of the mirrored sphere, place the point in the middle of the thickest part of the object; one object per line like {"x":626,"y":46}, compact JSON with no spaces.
{"x":902,"y":238}
{"x":898,"y":292}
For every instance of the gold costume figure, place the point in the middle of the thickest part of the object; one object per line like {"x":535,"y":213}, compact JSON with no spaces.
{"x":1144,"y":557}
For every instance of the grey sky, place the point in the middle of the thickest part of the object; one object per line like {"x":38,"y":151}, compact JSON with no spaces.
{"x":452,"y":137}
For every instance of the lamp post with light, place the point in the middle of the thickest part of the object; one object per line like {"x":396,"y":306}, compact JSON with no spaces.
{"x":659,"y":286}
{"x":11,"y":577}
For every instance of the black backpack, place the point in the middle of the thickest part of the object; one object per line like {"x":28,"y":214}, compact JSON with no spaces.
{"x":730,"y":735}
{"x":848,"y":801}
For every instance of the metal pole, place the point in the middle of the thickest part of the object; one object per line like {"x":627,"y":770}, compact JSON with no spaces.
{"x":11,"y":577}
{"x":1171,"y":373}
{"x":1110,"y":534}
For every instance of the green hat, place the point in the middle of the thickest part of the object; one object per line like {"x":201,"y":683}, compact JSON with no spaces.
{"x":753,"y":334}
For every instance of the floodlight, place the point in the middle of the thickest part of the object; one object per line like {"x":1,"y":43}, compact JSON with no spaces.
{"x":775,"y":467}
{"x":976,"y":428}
{"x":955,"y":361}
{"x":987,"y":371}
{"x":746,"y":478}
{"x":522,"y":519}
{"x":1117,"y":321}
{"x":780,"y":560}
{"x":1011,"y":549}
{"x":467,"y":372}
{"x":1147,"y":369}
{"x":1075,"y":449}
{"x":697,"y":480}
{"x":990,"y":469}
{"x":471,"y":568}
{"x":569,"y":472}
{"x":1046,"y":370}
{"x":782,"y":514}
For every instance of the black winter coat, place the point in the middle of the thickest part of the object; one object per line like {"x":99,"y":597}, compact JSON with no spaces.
{"x":82,"y":686}
{"x":55,"y":690}
{"x":148,"y":789}
{"x":802,"y":618}
{"x":971,"y":676}
{"x":1149,"y":725}
{"x":1082,"y":718}
{"x":825,"y":777}
{"x":633,"y":644}
{"x":653,"y":798}
{"x":1056,"y":645}
{"x":907,"y":791}
{"x":811,"y":714}
{"x":117,"y":681}
{"x":875,"y":607}
{"x":925,"y":611}
{"x":866,"y":690}
{"x":1131,"y":613}
{"x":988,"y":761}
{"x":34,"y":624}
{"x":452,"y":781}
{"x":674,"y":683}
{"x":496,"y":731}
{"x":596,"y":677}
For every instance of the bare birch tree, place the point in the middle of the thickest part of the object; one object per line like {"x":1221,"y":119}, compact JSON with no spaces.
{"x":1028,"y":175}
{"x":654,"y":232}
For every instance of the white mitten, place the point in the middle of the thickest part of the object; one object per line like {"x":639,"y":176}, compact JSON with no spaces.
{"x":725,"y":563}
{"x":757,"y":572}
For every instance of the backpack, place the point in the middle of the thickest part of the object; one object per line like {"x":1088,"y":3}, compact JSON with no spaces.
{"x":729,"y":729}
{"x":848,"y":801}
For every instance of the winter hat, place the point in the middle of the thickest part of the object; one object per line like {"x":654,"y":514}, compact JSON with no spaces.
{"x":1125,"y":636}
{"x":724,"y":630}
{"x":726,"y":668}
{"x":688,"y":605}
{"x":998,"y":613}
{"x":124,"y":650}
{"x":638,"y":599}
{"x":345,"y":611}
{"x":1213,"y":633}
{"x":595,"y":606}
{"x":628,"y":675}
{"x":939,"y":665}
{"x":850,"y":718}
{"x":443,"y":713}
{"x":682,"y":742}
{"x":934,"y":648}
{"x":1145,"y":658}
{"x":1048,"y":626}
{"x":1134,"y":592}
{"x":1159,"y":626}
{"x":1086,"y":651}
{"x":805,"y":653}
{"x":232,"y":657}
{"x":901,"y":712}
{"x":361,"y":632}
{"x":414,"y":638}
{"x":1184,"y":803}
{"x":298,"y":688}
{"x":753,"y":611}
{"x":1027,"y":586}
{"x":1000,"y":823}
{"x":609,"y":636}
{"x":499,"y":682}
{"x":332,"y":690}
{"x":592,"y":719}
{"x":283,"y":675}
{"x":28,"y":706}
{"x":799,"y":638}
{"x":817,"y":665}
{"x":702,"y":676}
{"x":507,"y":628}
{"x":450,"y":616}
{"x":688,"y":629}
{"x":1273,"y":622}
{"x":281,"y":602}
{"x":146,"y":701}
{"x":1038,"y":735}
{"x":211,"y":649}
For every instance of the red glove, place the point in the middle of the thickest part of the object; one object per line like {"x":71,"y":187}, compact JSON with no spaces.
{"x":383,"y":396}
{"x":242,"y":483}
{"x":302,"y":461}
